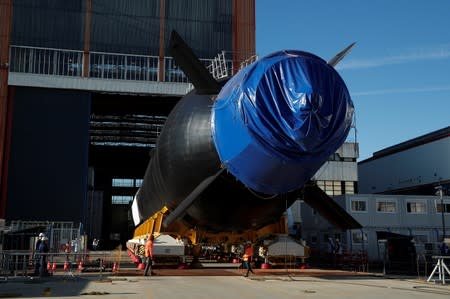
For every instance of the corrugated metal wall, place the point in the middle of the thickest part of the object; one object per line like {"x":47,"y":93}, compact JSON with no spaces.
{"x":118,"y":26}
{"x":130,"y":27}
{"x":204,"y":24}
{"x":48,"y":23}
{"x":49,"y":155}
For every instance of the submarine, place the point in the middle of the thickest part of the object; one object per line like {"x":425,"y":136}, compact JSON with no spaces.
{"x":235,"y":153}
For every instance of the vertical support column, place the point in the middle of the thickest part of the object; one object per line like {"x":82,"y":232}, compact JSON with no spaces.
{"x":6,"y":154}
{"x":87,"y":37}
{"x":243,"y":31}
{"x":162,"y":29}
{"x":5,"y":36}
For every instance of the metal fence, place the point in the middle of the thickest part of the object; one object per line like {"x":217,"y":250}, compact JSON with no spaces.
{"x":123,"y":67}
{"x":24,"y":235}
{"x":46,"y":61}
{"x":102,"y":65}
{"x":25,"y":263}
{"x":174,"y":74}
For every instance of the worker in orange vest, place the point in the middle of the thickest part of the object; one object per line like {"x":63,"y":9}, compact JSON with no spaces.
{"x":149,"y":255}
{"x":246,"y":258}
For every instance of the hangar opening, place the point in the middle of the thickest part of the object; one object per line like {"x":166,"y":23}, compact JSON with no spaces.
{"x":80,"y":156}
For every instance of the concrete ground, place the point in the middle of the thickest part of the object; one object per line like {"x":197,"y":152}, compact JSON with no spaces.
{"x":221,"y":284}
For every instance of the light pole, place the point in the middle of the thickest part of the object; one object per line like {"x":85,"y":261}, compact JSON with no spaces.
{"x":439,"y":192}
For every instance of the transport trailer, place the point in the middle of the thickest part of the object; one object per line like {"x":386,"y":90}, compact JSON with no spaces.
{"x":167,"y":251}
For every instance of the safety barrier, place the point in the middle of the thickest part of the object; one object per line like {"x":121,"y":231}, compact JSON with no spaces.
{"x":15,"y":263}
{"x":440,"y":268}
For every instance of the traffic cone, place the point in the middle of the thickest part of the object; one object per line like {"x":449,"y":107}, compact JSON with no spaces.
{"x":80,"y":266}
{"x":54,"y":266}
{"x":66,"y":266}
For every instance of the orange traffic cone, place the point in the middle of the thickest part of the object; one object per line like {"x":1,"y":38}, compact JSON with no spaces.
{"x":80,"y":266}
{"x":54,"y":266}
{"x":66,"y":266}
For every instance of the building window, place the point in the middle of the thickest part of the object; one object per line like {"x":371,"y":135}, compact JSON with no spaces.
{"x":122,"y":182}
{"x":126,"y":182}
{"x":416,"y":207}
{"x":445,"y":206}
{"x":138,"y":182}
{"x":349,"y":187}
{"x":331,"y":188}
{"x":121,"y":199}
{"x":357,"y":237}
{"x":359,"y":205}
{"x":386,"y":206}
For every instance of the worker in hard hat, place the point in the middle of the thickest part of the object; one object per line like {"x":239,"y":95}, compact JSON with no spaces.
{"x":37,"y":256}
{"x":43,"y":250}
{"x":149,"y":255}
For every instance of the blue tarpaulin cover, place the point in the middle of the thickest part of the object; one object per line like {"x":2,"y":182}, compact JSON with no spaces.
{"x":278,"y":120}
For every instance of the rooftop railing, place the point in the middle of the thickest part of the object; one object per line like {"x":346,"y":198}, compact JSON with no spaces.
{"x":102,"y":65}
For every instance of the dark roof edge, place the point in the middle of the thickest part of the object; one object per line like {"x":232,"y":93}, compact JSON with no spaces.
{"x":421,"y":140}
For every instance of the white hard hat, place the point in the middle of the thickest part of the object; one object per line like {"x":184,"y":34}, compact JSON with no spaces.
{"x":41,"y":235}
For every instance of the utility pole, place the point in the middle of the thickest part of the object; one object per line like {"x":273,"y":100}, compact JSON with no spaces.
{"x":439,"y":192}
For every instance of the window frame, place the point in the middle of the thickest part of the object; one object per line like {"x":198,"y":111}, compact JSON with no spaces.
{"x":359,"y":200}
{"x":416,"y":201}
{"x":364,"y":237}
{"x":390,"y":200}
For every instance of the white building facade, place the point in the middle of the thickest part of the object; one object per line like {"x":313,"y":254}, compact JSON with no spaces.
{"x":419,"y":217}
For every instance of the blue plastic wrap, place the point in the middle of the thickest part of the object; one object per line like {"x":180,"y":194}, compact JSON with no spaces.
{"x":278,"y":120}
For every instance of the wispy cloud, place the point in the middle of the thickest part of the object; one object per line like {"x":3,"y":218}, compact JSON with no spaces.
{"x":442,"y":52}
{"x":400,"y":90}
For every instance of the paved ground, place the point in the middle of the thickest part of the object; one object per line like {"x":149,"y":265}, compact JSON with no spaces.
{"x":221,"y":284}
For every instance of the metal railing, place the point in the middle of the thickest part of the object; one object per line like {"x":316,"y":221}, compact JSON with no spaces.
{"x":46,"y":61}
{"x":174,"y":74}
{"x":219,"y":67}
{"x":123,"y":67}
{"x":102,"y":65}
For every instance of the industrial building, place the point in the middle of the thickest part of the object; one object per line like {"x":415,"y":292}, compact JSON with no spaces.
{"x":338,"y":176}
{"x":415,"y":216}
{"x":403,"y":195}
{"x":85,"y":88}
{"x":416,"y":166}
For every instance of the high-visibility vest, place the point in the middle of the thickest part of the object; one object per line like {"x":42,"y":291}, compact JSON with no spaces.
{"x":149,"y":248}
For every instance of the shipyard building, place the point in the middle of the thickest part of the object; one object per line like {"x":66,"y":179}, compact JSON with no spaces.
{"x":85,"y":89}
{"x":403,"y":205}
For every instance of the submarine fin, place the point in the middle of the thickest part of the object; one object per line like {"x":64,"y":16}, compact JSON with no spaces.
{"x":189,"y":200}
{"x":339,"y":56}
{"x":197,"y":73}
{"x":328,"y":208}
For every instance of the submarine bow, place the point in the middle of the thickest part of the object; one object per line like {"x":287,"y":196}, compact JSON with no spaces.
{"x":237,"y":159}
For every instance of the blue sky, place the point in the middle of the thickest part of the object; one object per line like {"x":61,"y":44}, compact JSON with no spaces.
{"x":399,"y":72}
